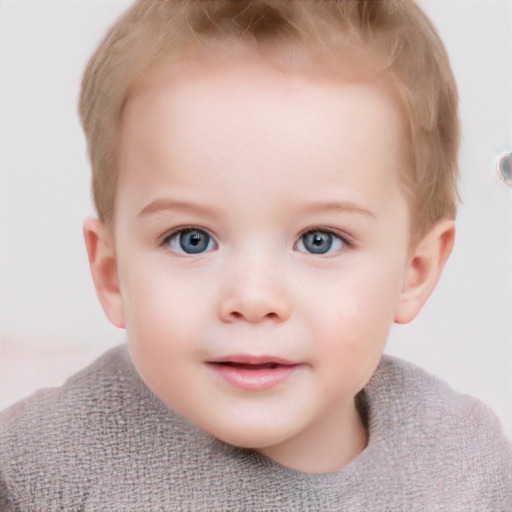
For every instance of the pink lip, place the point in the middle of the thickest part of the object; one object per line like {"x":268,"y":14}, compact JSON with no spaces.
{"x":254,"y":373}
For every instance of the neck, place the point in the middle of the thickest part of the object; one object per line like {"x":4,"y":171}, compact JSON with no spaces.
{"x":327,"y":446}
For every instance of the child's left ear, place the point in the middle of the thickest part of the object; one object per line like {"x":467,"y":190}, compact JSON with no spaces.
{"x":424,"y":269}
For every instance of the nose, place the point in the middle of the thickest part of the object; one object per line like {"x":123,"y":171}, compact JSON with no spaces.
{"x":255,"y":294}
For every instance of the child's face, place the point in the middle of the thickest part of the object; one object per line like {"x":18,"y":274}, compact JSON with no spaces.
{"x":261,"y":238}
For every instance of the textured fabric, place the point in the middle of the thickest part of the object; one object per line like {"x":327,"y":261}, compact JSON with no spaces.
{"x":103,"y":441}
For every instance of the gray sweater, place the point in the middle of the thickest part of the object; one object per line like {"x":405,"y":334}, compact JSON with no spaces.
{"x":103,"y":441}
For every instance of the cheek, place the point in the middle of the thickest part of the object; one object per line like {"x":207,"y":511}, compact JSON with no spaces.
{"x":160,"y":323}
{"x":158,"y":297}
{"x":352,"y":331}
{"x":357,"y":310}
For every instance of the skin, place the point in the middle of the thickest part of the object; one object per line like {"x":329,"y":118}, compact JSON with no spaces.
{"x":256,"y":157}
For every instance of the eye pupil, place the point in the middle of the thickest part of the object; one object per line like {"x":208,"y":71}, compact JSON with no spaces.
{"x":194,"y":242}
{"x":317,"y":242}
{"x":194,"y":239}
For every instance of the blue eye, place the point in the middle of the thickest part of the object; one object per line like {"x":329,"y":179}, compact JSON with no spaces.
{"x":317,"y":241}
{"x":191,"y":241}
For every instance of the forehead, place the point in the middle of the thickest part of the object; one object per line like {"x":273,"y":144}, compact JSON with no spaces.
{"x":238,"y":123}
{"x":214,"y":85}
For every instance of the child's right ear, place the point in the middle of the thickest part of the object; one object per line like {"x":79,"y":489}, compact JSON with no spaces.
{"x":103,"y":263}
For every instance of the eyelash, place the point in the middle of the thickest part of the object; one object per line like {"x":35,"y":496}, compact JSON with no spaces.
{"x":170,"y":238}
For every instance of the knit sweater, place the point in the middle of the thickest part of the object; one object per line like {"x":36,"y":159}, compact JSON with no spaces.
{"x":103,"y":441}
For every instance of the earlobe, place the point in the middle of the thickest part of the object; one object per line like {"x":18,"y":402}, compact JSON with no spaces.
{"x":424,"y":270}
{"x":103,"y":263}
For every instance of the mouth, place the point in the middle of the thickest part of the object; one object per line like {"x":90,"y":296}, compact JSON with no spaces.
{"x":253,"y":361}
{"x":254,"y":373}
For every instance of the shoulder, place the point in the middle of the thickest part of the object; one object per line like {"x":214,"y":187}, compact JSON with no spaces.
{"x":49,"y":440}
{"x":449,"y":438}
{"x":38,"y":414}
{"x":428,"y":399}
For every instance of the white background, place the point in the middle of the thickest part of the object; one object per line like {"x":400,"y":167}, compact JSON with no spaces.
{"x":50,"y":321}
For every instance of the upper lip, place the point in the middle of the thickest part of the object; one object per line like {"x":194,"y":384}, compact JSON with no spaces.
{"x":247,"y":359}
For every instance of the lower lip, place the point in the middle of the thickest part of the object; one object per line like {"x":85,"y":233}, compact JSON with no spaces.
{"x":254,"y":379}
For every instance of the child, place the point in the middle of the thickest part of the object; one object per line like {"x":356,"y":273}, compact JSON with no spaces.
{"x":276,"y":185}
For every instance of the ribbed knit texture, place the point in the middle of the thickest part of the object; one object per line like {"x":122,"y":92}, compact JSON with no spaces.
{"x":103,"y":441}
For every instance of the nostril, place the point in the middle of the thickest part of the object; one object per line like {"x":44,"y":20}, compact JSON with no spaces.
{"x":236,"y":315}
{"x":253,"y":308}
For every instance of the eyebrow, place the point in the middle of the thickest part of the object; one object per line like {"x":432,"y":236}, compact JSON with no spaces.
{"x":330,"y":206}
{"x":162,"y":205}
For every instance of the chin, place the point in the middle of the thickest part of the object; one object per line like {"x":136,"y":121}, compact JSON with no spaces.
{"x":247,"y":437}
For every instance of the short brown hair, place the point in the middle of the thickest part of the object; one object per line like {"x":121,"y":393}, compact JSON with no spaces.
{"x":395,"y":34}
